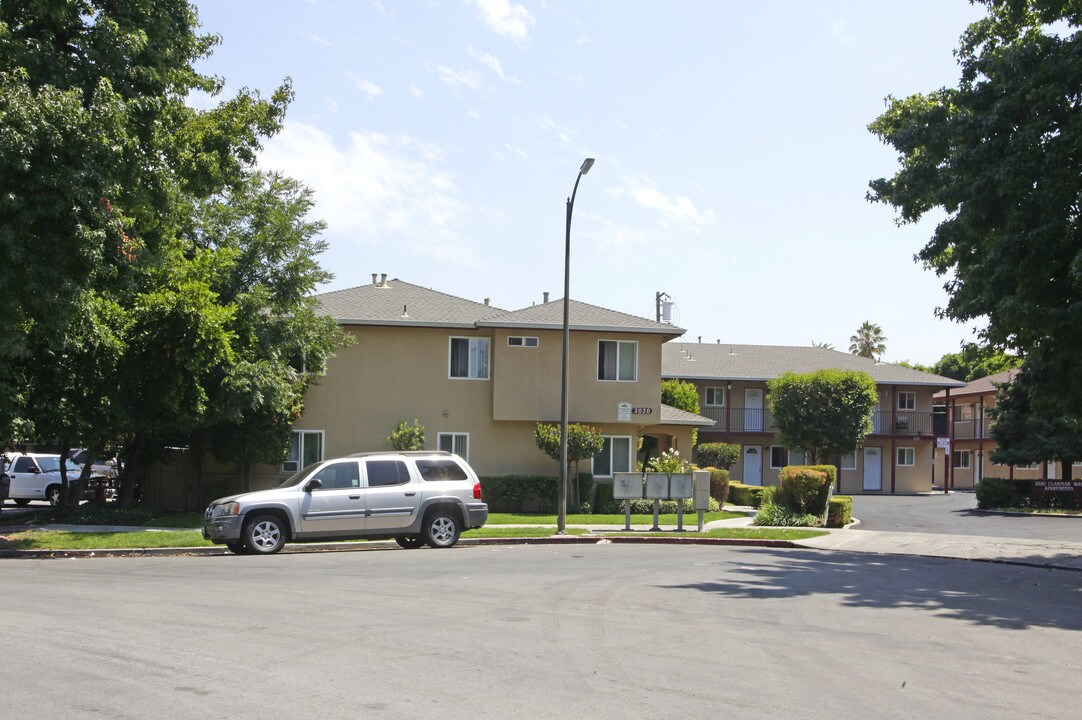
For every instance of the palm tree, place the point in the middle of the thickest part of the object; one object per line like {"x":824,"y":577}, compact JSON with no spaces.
{"x":869,"y":341}
{"x":825,"y":345}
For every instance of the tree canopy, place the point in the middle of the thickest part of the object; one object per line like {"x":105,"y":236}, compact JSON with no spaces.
{"x":156,"y":286}
{"x":824,"y":413}
{"x":1000,"y":155}
{"x":1024,"y":436}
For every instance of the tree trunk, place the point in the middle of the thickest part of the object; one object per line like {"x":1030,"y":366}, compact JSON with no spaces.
{"x":133,"y":469}
{"x":1067,"y":476}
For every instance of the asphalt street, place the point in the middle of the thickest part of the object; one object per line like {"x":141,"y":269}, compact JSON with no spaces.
{"x":582,"y":631}
{"x":956,"y":513}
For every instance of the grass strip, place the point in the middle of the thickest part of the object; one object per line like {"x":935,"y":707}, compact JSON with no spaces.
{"x":640,"y":519}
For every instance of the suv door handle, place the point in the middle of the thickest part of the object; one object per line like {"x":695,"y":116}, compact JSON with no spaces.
{"x":354,"y":497}
{"x":410,"y":494}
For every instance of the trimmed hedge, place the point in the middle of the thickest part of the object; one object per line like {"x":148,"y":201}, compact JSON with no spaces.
{"x":719,"y":485}
{"x":748,"y":495}
{"x":717,"y":455}
{"x":993,"y":493}
{"x":839,"y":511}
{"x":803,"y":489}
{"x":529,"y":493}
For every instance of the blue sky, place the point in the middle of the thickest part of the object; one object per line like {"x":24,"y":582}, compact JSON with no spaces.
{"x":443,"y":137}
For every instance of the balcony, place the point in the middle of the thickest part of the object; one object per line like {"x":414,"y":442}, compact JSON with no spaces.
{"x":739,"y":420}
{"x":972,"y":430}
{"x":907,"y":423}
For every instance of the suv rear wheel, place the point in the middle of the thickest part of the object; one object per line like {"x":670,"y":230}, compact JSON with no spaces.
{"x":441,"y":529}
{"x":264,"y":534}
{"x":52,"y":494}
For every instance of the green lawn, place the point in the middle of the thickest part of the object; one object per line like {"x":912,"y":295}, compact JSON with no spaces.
{"x":65,"y":540}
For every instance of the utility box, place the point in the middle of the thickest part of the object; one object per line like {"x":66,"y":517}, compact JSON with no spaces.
{"x":657,"y":486}
{"x":626,"y":486}
{"x":680,"y":486}
{"x":702,"y":490}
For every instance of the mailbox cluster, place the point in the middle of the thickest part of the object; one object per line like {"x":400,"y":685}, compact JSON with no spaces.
{"x":663,"y":486}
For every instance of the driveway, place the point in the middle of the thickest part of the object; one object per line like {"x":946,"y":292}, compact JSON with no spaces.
{"x":957,"y":514}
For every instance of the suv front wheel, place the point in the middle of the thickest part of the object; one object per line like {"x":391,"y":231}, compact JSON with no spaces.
{"x":441,"y":529}
{"x":264,"y":534}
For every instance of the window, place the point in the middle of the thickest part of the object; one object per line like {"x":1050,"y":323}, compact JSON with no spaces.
{"x":457,"y":443}
{"x":518,"y":341}
{"x":907,"y":457}
{"x":381,"y":473}
{"x":849,"y":461}
{"x":617,"y":360}
{"x":339,"y":475}
{"x":963,"y":413}
{"x":469,"y":358}
{"x":960,"y":459}
{"x":305,"y":448}
{"x":907,"y":401}
{"x":24,"y":464}
{"x":440,"y":469}
{"x":615,"y":456}
{"x":715,"y":396}
{"x":778,"y":456}
{"x":796,"y":457}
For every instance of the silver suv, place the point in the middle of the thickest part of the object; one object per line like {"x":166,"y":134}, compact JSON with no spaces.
{"x":415,"y":497}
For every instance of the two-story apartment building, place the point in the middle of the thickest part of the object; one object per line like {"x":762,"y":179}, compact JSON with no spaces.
{"x":478,"y":379}
{"x":968,"y":410}
{"x":732,"y":382}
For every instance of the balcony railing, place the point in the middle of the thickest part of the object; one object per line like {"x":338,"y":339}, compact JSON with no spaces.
{"x":973,"y":430}
{"x":903,"y":422}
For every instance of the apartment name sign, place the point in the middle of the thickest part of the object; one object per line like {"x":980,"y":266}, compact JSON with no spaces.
{"x":625,"y":410}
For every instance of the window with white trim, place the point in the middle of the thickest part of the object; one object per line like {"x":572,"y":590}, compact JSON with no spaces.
{"x":469,"y":358}
{"x":305,"y":448}
{"x":849,"y":461}
{"x":519,"y":341}
{"x":617,"y":360}
{"x":907,"y":401}
{"x":457,"y":443}
{"x":615,"y":456}
{"x":715,"y":396}
{"x":907,"y":457}
{"x":960,"y":459}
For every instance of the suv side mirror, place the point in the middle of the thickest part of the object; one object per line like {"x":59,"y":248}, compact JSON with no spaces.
{"x":313,"y":484}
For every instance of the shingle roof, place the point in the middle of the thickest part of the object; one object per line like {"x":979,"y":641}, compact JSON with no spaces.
{"x":982,"y":386}
{"x":698,"y":361}
{"x":400,"y":303}
{"x":676,"y":416}
{"x":582,"y":316}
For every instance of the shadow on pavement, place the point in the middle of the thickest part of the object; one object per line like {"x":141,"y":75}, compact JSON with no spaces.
{"x":1011,"y":597}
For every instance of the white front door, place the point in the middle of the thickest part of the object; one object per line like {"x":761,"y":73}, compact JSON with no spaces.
{"x":753,"y":465}
{"x":873,"y":468}
{"x":753,"y":409}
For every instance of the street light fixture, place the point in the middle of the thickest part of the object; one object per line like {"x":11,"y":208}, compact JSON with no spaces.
{"x":561,"y":516}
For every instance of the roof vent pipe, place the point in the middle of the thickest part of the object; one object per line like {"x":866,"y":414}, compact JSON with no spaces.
{"x":374,"y":279}
{"x":546,"y":296}
{"x":383,"y":280}
{"x":488,"y":300}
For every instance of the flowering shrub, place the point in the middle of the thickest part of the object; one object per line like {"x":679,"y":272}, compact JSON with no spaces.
{"x":669,"y":462}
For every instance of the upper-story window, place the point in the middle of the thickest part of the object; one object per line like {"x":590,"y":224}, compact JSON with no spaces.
{"x":469,"y":358}
{"x":715,"y":396}
{"x":907,"y":401}
{"x":519,"y":341}
{"x":617,"y":360}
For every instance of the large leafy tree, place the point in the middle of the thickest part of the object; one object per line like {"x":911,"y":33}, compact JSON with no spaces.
{"x":975,"y":361}
{"x":155,"y":286}
{"x":868,"y":341}
{"x":1024,"y":436}
{"x":1001,"y":155}
{"x":824,"y":413}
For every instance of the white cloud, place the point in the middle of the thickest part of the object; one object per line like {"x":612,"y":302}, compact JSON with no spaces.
{"x":368,"y":87}
{"x":378,"y":189}
{"x":493,"y":63}
{"x":644,"y":191}
{"x":562,"y":131}
{"x":505,"y":18}
{"x":838,"y":30}
{"x":319,"y":40}
{"x":523,"y":155}
{"x":416,"y":92}
{"x":458,"y":78}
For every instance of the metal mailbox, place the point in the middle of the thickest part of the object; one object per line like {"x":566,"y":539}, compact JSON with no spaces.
{"x":702,"y":490}
{"x":657,"y":486}
{"x":627,"y":486}
{"x":680,"y":486}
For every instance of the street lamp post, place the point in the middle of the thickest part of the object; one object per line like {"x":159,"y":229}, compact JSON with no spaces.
{"x":561,"y":517}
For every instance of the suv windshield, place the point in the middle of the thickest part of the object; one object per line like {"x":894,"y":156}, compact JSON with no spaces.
{"x":299,"y":476}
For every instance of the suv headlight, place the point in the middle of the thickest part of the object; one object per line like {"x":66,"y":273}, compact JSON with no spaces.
{"x":230,"y":508}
